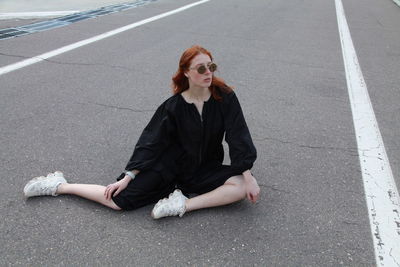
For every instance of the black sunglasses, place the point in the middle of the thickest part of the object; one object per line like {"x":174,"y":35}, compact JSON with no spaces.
{"x":203,"y":68}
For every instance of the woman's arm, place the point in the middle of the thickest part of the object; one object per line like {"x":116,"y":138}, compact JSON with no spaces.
{"x":155,"y":138}
{"x":252,"y":188}
{"x":115,"y":188}
{"x":242,"y":151}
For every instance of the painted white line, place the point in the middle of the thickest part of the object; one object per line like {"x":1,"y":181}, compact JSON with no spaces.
{"x":380,"y":188}
{"x":36,"y":59}
{"x":36,"y":14}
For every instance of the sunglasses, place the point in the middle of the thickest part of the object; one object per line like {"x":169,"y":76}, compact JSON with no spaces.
{"x":203,"y":68}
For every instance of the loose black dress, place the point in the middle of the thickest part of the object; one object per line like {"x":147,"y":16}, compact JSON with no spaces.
{"x":181,"y":148}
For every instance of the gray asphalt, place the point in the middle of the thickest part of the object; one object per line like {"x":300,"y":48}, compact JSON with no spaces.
{"x":82,"y":112}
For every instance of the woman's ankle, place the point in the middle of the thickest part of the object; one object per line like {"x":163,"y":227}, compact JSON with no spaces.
{"x":61,"y":188}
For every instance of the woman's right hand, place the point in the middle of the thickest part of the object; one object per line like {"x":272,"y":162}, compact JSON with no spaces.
{"x":115,"y":188}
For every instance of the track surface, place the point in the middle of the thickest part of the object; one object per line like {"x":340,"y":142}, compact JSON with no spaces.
{"x":82,"y":112}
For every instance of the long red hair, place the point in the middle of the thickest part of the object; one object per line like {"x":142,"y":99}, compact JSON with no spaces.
{"x":180,"y":82}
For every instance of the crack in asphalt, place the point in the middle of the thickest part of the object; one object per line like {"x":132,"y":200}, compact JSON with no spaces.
{"x":90,"y":64}
{"x":350,"y":150}
{"x":11,"y":55}
{"x":117,"y":107}
{"x":74,"y":63}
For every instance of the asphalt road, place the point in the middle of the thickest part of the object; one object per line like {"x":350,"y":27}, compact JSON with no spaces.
{"x":7,"y":6}
{"x":82,"y":112}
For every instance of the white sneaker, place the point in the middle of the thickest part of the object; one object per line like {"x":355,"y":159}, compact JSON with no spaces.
{"x":174,"y":205}
{"x":44,"y":186}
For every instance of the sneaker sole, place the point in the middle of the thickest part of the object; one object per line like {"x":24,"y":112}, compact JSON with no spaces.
{"x":32,"y":181}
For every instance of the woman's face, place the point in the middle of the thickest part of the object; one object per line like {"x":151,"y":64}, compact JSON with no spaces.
{"x":196,"y":79}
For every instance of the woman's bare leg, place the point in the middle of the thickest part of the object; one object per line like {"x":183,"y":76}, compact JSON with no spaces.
{"x":231,"y":191}
{"x":89,"y":191}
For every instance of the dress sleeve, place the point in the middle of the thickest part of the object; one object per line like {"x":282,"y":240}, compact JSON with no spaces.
{"x":241,"y":148}
{"x":154,"y":140}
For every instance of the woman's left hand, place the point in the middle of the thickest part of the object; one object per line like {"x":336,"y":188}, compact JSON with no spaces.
{"x":252,"y":188}
{"x":115,"y":188}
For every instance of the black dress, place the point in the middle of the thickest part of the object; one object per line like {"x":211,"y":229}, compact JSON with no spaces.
{"x":180,"y":148}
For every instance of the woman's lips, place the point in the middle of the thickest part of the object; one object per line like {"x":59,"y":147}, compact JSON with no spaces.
{"x":207,"y":80}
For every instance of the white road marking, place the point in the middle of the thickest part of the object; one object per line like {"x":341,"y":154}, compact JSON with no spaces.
{"x":380,"y":188}
{"x":12,"y":15}
{"x":36,"y":59}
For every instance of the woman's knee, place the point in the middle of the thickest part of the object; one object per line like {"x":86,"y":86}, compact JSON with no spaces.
{"x":111,"y":204}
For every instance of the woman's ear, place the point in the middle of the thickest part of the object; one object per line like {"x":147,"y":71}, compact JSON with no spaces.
{"x":187,"y":76}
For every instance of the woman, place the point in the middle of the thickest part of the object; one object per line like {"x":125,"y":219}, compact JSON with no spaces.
{"x":179,"y":151}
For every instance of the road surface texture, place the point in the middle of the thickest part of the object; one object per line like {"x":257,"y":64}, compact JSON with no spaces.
{"x":82,"y":111}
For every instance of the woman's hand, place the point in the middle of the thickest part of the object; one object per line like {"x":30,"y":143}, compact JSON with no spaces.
{"x":252,"y":188}
{"x":115,"y":188}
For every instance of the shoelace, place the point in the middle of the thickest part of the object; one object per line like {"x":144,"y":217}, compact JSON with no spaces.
{"x":44,"y":187}
{"x":42,"y":190}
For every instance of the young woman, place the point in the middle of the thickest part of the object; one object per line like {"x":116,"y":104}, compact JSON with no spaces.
{"x":179,"y":151}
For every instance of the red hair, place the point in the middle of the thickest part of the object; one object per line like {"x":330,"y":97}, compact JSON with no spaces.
{"x":180,"y":82}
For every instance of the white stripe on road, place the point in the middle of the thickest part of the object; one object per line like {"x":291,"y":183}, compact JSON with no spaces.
{"x":36,"y":59}
{"x":380,"y":188}
{"x":36,"y":14}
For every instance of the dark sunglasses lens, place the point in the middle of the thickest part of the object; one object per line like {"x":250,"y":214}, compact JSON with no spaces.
{"x":213,"y":67}
{"x":201,"y":69}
